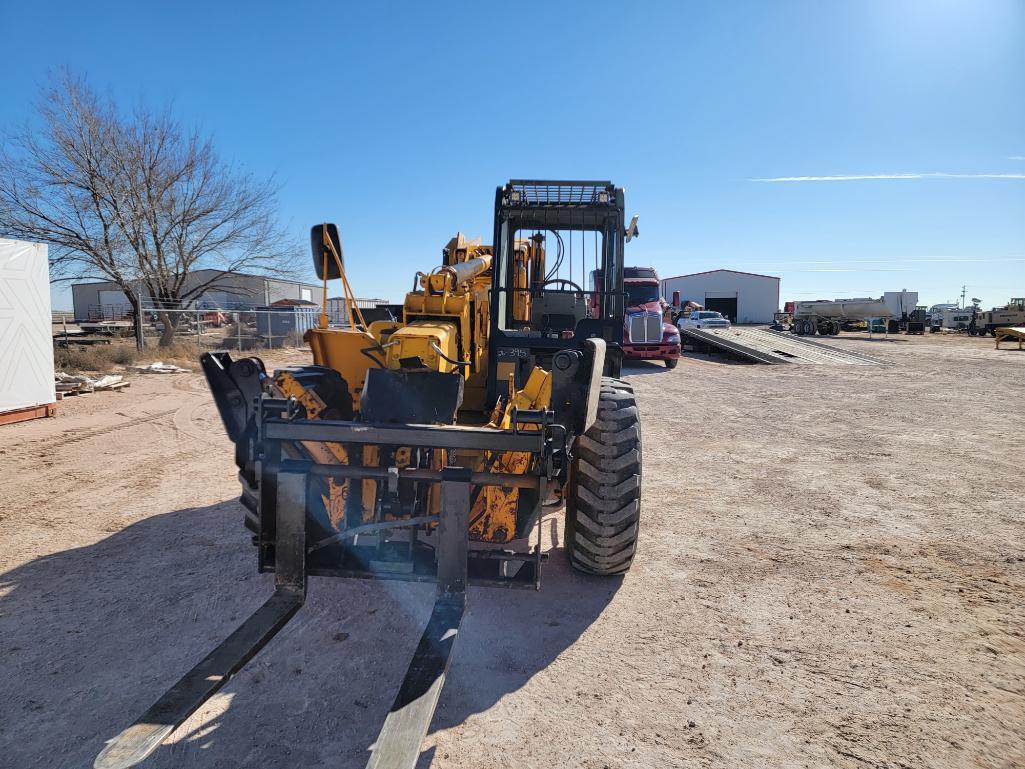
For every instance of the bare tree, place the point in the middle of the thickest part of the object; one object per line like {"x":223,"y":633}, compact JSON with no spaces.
{"x":135,"y":199}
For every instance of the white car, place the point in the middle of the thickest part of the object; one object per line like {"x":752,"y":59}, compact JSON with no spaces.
{"x":703,"y":319}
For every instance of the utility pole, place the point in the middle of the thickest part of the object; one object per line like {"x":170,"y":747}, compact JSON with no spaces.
{"x":964,"y":293}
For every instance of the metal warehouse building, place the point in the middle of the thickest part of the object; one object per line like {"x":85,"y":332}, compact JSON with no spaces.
{"x":104,"y":300}
{"x":743,"y":297}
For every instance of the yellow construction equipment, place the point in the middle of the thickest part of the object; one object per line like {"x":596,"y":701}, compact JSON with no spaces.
{"x":1010,"y":315}
{"x":422,"y":447}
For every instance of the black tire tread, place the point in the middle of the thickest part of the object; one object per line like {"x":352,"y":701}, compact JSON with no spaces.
{"x":603,"y":502}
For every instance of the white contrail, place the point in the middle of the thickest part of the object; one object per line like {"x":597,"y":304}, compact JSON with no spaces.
{"x":891,"y":260}
{"x":872,"y":177}
{"x":853,"y":269}
{"x":1016,"y":157}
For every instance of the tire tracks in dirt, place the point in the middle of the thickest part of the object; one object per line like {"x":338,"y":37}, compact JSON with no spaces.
{"x":83,"y":434}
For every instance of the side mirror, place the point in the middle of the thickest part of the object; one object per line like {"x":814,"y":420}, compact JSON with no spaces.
{"x":322,"y":238}
{"x":632,"y":231}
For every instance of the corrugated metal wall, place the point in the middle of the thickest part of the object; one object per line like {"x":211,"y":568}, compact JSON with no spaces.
{"x":237,"y":291}
{"x":757,"y":295}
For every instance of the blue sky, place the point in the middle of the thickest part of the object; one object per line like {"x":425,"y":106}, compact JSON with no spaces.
{"x":398,"y":121}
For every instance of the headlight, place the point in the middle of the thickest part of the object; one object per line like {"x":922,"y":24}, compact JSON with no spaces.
{"x":673,"y":338}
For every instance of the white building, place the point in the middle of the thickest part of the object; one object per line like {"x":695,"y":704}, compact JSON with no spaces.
{"x":26,"y":340}
{"x":104,"y":300}
{"x":743,"y":297}
{"x":336,"y":309}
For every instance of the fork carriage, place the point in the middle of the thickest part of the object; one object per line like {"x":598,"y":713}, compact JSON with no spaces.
{"x":284,"y":547}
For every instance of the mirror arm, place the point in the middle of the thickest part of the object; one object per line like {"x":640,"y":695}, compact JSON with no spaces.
{"x":323,"y":306}
{"x":350,"y":300}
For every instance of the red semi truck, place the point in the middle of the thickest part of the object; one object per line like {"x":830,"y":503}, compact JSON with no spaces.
{"x":646,"y":333}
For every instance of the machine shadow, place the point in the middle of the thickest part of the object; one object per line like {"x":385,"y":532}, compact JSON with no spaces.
{"x":510,"y":635}
{"x":92,"y":636}
{"x":643,"y":367}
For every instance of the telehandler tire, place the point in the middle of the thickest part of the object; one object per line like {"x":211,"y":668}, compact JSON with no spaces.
{"x":603,"y":500}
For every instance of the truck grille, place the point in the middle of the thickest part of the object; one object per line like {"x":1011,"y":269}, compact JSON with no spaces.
{"x":646,"y":328}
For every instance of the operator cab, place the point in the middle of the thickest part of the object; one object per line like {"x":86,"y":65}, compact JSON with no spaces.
{"x":549,"y":236}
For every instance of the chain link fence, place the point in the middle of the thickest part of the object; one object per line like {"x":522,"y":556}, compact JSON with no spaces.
{"x":265,"y":328}
{"x":201,"y":328}
{"x":220,"y":329}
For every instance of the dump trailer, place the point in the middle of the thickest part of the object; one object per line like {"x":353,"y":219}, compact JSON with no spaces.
{"x":422,"y":449}
{"x":826,"y":317}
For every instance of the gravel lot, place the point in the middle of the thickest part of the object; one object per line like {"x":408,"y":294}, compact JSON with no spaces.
{"x":831,"y":573}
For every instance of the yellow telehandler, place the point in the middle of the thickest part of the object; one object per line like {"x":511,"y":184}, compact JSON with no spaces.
{"x":423,"y":447}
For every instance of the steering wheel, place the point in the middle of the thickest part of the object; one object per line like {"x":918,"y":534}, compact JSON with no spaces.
{"x":562,"y":282}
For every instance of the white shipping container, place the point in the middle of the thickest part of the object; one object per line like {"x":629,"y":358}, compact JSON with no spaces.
{"x":26,"y":338}
{"x":957,"y":318}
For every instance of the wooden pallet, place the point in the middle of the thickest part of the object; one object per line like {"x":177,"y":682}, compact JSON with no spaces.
{"x":65,"y":389}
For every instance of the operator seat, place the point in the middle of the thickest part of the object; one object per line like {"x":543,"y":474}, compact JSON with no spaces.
{"x":557,"y":310}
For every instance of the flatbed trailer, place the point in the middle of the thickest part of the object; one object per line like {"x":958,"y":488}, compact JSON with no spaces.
{"x":761,"y":345}
{"x":1014,"y":334}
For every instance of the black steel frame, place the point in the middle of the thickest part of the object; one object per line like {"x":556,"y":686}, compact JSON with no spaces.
{"x":591,"y":206}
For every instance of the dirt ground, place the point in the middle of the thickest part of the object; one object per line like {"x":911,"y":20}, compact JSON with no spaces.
{"x":831,"y":573}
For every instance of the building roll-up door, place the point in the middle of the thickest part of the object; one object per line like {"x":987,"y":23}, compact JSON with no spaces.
{"x":727,"y":306}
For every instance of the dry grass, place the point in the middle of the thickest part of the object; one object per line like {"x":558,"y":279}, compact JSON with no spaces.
{"x":180,"y":352}
{"x":184,"y":351}
{"x":100,"y":359}
{"x":103,"y":359}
